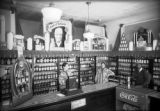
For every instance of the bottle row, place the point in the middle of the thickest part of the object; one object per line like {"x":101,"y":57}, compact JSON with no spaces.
{"x":74,"y":73}
{"x":102,"y":58}
{"x":113,"y":63}
{"x":54,"y":60}
{"x":85,"y":65}
{"x":5,"y":83}
{"x":45,"y":68}
{"x":87,"y":59}
{"x":124,"y":64}
{"x":5,"y":88}
{"x":45,"y":64}
{"x":29,"y":60}
{"x":44,"y":90}
{"x":52,"y":82}
{"x":127,"y":69}
{"x":141,"y":61}
{"x":67,"y":59}
{"x":7,"y":61}
{"x":123,"y":48}
{"x":86,"y":72}
{"x":71,"y":66}
{"x":6,"y":94}
{"x":124,"y":60}
{"x":156,"y":64}
{"x":44,"y":77}
{"x":44,"y":83}
{"x":113,"y":68}
{"x":157,"y":60}
{"x":157,"y":82}
{"x":124,"y":73}
{"x":156,"y":69}
{"x":46,"y":60}
{"x":156,"y":76}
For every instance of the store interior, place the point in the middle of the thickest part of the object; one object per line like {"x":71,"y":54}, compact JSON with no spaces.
{"x":39,"y":38}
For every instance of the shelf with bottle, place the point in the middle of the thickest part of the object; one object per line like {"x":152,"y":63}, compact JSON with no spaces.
{"x":7,"y":61}
{"x":86,"y":73}
{"x":124,"y":69}
{"x":100,"y":59}
{"x":143,"y":61}
{"x":123,"y":44}
{"x":45,"y":75}
{"x":112,"y":61}
{"x":72,"y":64}
{"x":6,"y":67}
{"x":5,"y":83}
{"x":87,"y":70}
{"x":156,"y":74}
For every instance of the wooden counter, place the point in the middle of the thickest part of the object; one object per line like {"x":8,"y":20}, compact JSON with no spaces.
{"x":92,"y":98}
{"x":154,"y":101}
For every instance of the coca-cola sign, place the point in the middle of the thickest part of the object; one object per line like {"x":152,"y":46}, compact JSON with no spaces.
{"x":130,"y":97}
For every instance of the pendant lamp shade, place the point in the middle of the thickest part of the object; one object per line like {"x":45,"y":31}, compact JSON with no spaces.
{"x":87,"y":34}
{"x":51,"y":13}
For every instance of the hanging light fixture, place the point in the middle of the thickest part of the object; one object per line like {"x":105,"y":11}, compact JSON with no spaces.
{"x":87,"y":33}
{"x":51,"y":12}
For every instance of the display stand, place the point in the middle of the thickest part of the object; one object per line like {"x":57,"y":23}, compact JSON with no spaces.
{"x":21,"y":82}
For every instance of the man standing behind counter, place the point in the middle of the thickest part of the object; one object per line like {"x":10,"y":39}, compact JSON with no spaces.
{"x":141,"y":76}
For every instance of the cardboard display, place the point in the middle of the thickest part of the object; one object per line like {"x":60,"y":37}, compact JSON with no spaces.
{"x":65,"y":44}
{"x":21,"y":82}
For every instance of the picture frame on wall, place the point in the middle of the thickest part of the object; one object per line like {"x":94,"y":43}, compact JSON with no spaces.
{"x":143,"y":39}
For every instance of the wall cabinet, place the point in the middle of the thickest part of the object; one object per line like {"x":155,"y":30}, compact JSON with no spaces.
{"x":46,"y":67}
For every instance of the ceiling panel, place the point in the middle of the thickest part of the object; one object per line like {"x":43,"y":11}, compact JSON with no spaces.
{"x":100,"y":11}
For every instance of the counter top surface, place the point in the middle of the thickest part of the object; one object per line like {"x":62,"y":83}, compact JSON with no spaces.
{"x":156,"y":95}
{"x":57,"y":96}
{"x":138,"y":89}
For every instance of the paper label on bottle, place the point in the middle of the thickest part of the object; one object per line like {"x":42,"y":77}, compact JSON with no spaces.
{"x":20,"y":51}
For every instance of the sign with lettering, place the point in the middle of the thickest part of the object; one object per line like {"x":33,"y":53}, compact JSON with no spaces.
{"x":53,"y":25}
{"x":137,"y":97}
{"x":127,"y":96}
{"x":130,"y":96}
{"x":78,"y":103}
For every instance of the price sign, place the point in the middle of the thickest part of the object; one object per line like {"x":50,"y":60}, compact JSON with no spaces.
{"x":78,"y":103}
